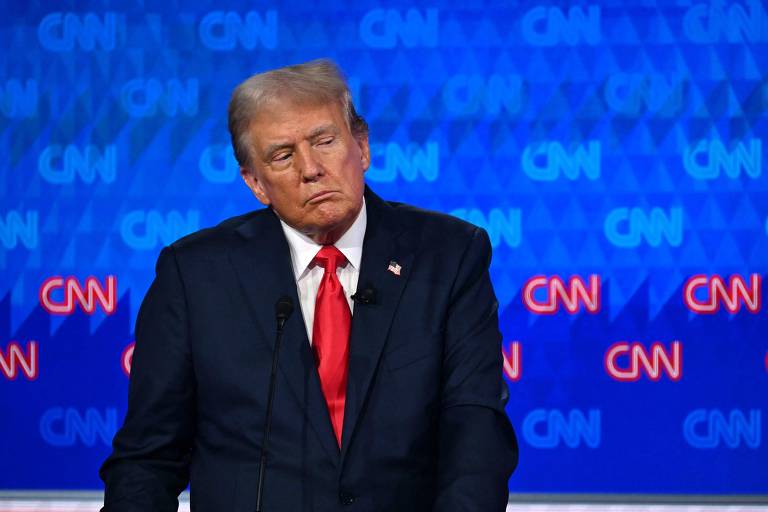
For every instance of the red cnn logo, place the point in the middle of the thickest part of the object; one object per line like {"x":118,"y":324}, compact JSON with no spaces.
{"x":14,"y":358}
{"x":513,"y":364}
{"x":105,"y":295}
{"x":733,"y":296}
{"x":126,"y":358}
{"x":572,"y":296}
{"x":653,"y":365}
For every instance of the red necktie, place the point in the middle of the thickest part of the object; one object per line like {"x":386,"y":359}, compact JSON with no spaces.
{"x":330,"y":335}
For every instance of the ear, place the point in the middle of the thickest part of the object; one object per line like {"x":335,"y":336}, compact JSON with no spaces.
{"x":365,"y":150}
{"x":253,"y":183}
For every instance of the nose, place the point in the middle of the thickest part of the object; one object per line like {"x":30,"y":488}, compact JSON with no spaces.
{"x":309,"y":166}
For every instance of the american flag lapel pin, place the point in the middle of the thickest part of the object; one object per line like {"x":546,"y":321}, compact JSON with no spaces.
{"x":394,"y":267}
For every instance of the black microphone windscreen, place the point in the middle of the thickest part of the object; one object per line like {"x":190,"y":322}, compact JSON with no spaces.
{"x":365,"y":296}
{"x":283,"y":307}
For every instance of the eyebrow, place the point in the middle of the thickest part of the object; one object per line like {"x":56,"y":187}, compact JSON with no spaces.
{"x":321,"y":130}
{"x":329,"y":128}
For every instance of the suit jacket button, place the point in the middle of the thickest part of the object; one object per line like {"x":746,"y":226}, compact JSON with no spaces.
{"x":346,"y":498}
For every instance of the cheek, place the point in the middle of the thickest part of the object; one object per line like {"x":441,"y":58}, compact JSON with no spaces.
{"x":352,"y":168}
{"x":344,"y":153}
{"x":283,"y":183}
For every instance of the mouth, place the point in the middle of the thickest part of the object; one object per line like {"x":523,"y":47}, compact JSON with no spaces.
{"x":320,"y":196}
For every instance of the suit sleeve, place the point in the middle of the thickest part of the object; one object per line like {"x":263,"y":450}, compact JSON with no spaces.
{"x":149,"y":464}
{"x":477,"y":446}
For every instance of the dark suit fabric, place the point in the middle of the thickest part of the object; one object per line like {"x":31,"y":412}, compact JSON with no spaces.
{"x":424,"y":425}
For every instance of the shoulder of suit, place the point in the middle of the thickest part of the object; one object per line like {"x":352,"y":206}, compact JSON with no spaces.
{"x":433,"y":224}
{"x":433,"y":228}
{"x":215,"y":237}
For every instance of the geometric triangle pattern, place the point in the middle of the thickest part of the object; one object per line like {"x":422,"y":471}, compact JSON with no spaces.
{"x":616,"y":153}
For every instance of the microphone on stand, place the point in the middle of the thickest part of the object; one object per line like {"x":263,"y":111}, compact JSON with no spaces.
{"x":366,"y":296}
{"x":283,"y":310}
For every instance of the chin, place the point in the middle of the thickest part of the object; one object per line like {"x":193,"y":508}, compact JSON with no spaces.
{"x":330,"y":224}
{"x":327,"y":226}
{"x":330,"y":213}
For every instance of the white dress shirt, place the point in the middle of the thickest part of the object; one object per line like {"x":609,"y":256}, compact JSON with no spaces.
{"x":308,"y":275}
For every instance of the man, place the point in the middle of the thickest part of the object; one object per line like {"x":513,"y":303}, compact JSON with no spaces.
{"x":391,"y":402}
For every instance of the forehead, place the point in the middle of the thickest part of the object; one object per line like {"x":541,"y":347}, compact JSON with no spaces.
{"x":290,"y":119}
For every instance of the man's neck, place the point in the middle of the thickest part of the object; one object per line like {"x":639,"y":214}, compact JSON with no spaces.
{"x":333,"y":236}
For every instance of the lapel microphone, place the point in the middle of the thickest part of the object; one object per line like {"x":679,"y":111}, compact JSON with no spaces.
{"x":283,"y":310}
{"x":366,"y":296}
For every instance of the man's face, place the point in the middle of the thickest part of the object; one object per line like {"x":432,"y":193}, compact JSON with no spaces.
{"x":308,"y":166}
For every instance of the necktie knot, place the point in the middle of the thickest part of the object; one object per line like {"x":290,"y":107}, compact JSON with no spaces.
{"x":330,"y":258}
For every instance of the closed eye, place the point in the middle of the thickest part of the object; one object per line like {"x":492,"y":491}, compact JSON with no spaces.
{"x":281,"y":157}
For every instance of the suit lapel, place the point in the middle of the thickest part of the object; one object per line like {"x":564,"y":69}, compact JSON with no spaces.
{"x":263,"y":267}
{"x":385,"y":241}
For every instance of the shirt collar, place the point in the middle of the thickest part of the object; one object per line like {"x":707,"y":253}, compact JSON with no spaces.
{"x":303,"y":249}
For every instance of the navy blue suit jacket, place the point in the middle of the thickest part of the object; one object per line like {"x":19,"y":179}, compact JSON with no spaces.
{"x":424,"y":424}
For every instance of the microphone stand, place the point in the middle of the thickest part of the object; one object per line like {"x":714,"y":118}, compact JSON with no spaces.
{"x":283,"y":310}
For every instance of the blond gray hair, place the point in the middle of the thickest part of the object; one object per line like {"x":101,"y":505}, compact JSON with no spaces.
{"x":315,"y":82}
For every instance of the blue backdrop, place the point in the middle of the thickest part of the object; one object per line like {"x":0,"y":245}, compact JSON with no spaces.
{"x":613,"y":150}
